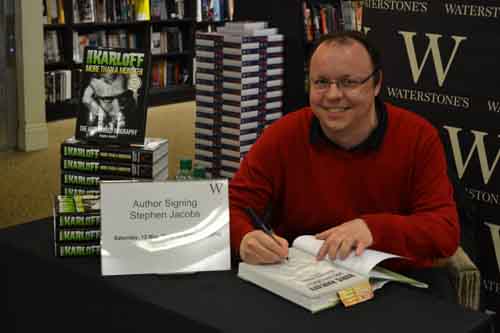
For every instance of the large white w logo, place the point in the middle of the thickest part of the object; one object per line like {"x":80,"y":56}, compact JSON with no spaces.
{"x":495,"y":237}
{"x":478,"y":146}
{"x":432,"y":48}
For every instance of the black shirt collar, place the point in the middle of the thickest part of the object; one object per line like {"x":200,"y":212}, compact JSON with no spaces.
{"x":372,"y":142}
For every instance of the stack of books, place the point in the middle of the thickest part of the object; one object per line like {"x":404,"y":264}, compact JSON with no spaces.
{"x":77,"y":226}
{"x":109,"y":142}
{"x":209,"y":80}
{"x":239,"y":88}
{"x":84,"y":164}
{"x":77,"y":219}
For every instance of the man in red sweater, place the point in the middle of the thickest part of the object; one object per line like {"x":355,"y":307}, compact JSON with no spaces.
{"x":349,"y":169}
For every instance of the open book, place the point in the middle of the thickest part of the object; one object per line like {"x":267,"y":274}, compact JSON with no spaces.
{"x":315,"y":284}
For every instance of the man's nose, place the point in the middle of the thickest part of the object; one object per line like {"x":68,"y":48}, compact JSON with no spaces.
{"x":333,"y":90}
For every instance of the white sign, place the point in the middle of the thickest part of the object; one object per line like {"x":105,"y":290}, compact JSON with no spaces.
{"x":164,"y":227}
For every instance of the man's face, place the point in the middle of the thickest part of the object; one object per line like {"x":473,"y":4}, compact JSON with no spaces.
{"x":343,"y":112}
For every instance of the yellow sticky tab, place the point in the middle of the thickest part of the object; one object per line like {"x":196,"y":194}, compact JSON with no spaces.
{"x":356,"y":294}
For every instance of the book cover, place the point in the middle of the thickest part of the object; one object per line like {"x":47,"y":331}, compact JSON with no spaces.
{"x":78,"y":204}
{"x":113,"y":98}
{"x":315,"y":285}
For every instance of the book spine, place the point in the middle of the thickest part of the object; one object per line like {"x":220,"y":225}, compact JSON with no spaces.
{"x":77,"y":220}
{"x":72,"y":190}
{"x":77,"y":235}
{"x":121,"y":155}
{"x":77,"y":250}
{"x":81,"y":179}
{"x":110,"y":168}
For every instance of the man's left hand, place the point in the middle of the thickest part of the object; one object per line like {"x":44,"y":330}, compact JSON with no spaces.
{"x":341,"y":240}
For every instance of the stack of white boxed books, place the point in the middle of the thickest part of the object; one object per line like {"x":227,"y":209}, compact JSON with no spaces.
{"x":239,"y":89}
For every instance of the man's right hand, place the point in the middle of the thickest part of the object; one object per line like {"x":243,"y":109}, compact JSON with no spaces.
{"x":259,"y":248}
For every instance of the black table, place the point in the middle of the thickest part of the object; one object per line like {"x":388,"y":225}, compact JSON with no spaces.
{"x":45,"y":293}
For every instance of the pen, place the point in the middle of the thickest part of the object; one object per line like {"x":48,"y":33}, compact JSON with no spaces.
{"x":260,"y":224}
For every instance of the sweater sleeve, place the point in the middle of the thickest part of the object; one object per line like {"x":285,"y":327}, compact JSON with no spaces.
{"x":253,"y":185}
{"x":430,"y":230}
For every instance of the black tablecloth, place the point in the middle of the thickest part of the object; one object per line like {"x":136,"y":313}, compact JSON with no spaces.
{"x":69,"y":294}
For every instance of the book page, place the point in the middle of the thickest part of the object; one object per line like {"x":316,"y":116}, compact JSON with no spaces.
{"x":362,"y":264}
{"x":310,"y":277}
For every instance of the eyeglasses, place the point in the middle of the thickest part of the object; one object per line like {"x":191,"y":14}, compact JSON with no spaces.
{"x":342,"y":84}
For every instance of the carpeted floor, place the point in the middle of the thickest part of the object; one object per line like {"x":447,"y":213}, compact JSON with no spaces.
{"x":30,"y":180}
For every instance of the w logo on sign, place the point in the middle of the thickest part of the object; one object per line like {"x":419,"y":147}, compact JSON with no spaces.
{"x":216,"y":188}
{"x":495,"y":237}
{"x":434,"y":51}
{"x":478,"y":147}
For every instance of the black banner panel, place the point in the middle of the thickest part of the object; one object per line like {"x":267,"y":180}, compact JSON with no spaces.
{"x":441,"y":59}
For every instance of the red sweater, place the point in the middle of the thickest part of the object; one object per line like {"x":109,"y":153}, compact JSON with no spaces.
{"x":401,"y":189}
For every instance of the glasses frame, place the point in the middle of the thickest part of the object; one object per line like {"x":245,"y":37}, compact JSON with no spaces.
{"x":341,"y":84}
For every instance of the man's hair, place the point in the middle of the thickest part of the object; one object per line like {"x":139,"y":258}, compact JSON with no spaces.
{"x":347,"y":37}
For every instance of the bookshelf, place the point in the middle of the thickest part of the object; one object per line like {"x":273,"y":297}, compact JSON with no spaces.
{"x":289,"y":17}
{"x":105,"y":23}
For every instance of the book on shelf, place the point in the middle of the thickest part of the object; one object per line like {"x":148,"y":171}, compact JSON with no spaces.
{"x":352,"y":15}
{"x":156,"y":43}
{"x":315,"y":285}
{"x":214,"y":10}
{"x":116,"y":38}
{"x":167,"y":39}
{"x":52,"y":42}
{"x":174,"y":39}
{"x":53,"y":12}
{"x":102,"y":11}
{"x":84,"y":11}
{"x":58,"y":86}
{"x":179,"y":8}
{"x":114,"y":96}
{"x":158,"y":7}
{"x":165,"y":74}
{"x":142,"y":10}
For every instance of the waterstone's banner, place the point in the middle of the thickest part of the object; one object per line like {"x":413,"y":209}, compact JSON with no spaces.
{"x":441,"y":59}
